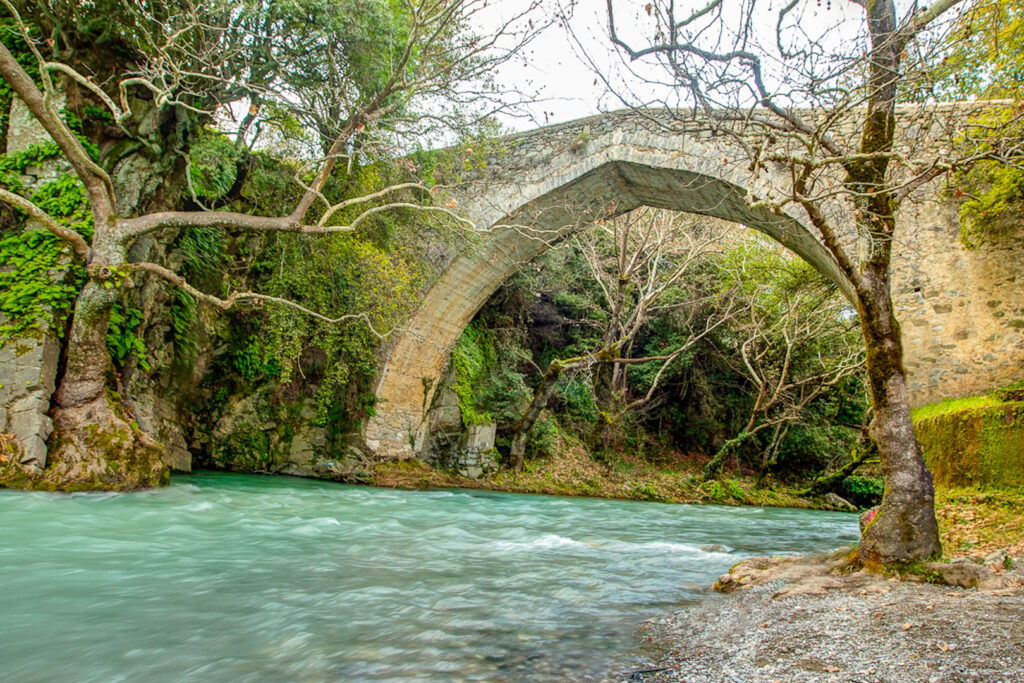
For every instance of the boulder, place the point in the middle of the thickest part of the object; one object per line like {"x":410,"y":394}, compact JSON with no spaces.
{"x":963,"y":575}
{"x":837,"y":502}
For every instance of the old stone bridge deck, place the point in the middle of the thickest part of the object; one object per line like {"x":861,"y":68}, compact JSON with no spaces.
{"x":962,"y":311}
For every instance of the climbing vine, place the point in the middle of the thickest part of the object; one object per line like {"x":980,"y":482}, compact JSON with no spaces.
{"x":123,"y":338}
{"x":469,"y":361}
{"x":38,"y":281}
{"x":36,"y":284}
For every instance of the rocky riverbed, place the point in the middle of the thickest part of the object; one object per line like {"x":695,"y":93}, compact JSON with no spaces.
{"x":812,"y":619}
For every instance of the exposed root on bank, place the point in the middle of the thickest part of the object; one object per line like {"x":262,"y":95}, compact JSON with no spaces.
{"x":842,"y":571}
{"x":92,"y":448}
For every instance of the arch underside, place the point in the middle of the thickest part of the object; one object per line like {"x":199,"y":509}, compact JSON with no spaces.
{"x":418,"y":359}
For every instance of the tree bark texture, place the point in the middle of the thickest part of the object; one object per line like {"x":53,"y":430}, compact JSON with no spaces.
{"x":905,"y":528}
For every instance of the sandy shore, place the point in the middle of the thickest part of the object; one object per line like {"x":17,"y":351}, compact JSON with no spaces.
{"x":811,"y":619}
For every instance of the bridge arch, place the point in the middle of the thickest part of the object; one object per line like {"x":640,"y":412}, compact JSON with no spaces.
{"x":962,"y":312}
{"x":529,"y":202}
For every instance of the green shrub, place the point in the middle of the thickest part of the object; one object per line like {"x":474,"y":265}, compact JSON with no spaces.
{"x":864,"y":492}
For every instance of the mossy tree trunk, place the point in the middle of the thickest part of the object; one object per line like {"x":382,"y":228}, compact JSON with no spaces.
{"x":905,"y":527}
{"x":96,"y":444}
{"x":541,"y":395}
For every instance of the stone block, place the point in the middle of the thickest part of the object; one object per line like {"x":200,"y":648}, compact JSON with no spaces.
{"x":479,"y":438}
{"x":31,"y":428}
{"x":23,"y":130}
{"x":33,"y":452}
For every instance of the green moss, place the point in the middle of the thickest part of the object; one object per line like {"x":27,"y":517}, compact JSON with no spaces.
{"x":952,"y":405}
{"x":248,"y":449}
{"x":975,"y":441}
{"x":469,"y":360}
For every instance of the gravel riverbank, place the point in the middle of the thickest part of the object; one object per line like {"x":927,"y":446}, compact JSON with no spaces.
{"x":804,"y":620}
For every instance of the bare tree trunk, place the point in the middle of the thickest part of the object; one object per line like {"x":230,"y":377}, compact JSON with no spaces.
{"x":904,"y":528}
{"x":541,"y":396}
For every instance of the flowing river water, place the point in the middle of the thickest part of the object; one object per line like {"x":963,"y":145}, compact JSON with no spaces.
{"x":241,"y":578}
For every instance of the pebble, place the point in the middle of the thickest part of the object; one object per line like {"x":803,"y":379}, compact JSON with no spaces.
{"x":957,"y":636}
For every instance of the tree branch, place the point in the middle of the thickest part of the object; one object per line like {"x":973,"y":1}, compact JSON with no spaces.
{"x":76,"y":241}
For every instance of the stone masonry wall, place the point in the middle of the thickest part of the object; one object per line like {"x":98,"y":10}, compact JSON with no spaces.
{"x":962,"y":311}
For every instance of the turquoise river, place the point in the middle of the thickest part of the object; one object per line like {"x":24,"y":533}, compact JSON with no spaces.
{"x":241,"y":578}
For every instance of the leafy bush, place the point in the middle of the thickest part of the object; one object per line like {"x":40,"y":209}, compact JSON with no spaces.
{"x":469,"y":359}
{"x":863,"y":492}
{"x":212,"y":165}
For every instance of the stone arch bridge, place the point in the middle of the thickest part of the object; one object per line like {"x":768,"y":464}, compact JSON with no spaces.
{"x":962,"y":312}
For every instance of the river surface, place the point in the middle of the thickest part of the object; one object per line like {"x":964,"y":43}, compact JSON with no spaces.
{"x":241,"y":578}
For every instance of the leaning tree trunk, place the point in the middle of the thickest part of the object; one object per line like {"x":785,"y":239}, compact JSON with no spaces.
{"x":904,"y":529}
{"x":864,"y":450}
{"x":541,"y":396}
{"x":95,"y":443}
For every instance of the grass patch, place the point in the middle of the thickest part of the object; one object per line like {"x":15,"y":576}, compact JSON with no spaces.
{"x":1011,"y":392}
{"x":572,"y":472}
{"x":953,"y":405}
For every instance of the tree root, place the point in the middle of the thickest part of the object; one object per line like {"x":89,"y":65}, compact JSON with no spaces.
{"x":92,"y":448}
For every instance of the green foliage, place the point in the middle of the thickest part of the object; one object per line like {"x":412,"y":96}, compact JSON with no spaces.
{"x":204,"y":250}
{"x":35,"y":271}
{"x":704,"y":397}
{"x":64,"y":199}
{"x":182,"y":313}
{"x":996,"y":197}
{"x":488,"y":383}
{"x":469,"y":360}
{"x":123,"y":339}
{"x":251,"y":361}
{"x":544,"y":439}
{"x":984,"y":54}
{"x":37,"y":274}
{"x":11,"y":165}
{"x":212,"y":165}
{"x":576,"y":395}
{"x":247,"y":449}
{"x":334,"y":275}
{"x":864,"y":492}
{"x":984,"y":59}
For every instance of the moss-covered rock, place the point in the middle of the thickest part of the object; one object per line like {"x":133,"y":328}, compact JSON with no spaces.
{"x":977,"y":444}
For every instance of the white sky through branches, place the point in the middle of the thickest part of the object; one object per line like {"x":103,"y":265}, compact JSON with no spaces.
{"x":563,"y":63}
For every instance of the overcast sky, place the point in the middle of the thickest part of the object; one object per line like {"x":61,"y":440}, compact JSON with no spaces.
{"x":569,"y":88}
